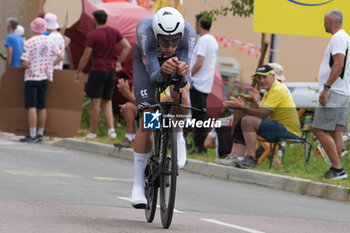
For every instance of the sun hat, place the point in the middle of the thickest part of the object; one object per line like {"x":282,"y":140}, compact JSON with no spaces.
{"x":51,"y":21}
{"x":278,"y":70}
{"x":264,"y":70}
{"x":38,"y":25}
{"x":19,"y":30}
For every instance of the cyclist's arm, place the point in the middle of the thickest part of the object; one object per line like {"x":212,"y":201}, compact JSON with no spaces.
{"x":148,"y":46}
{"x":185,"y":49}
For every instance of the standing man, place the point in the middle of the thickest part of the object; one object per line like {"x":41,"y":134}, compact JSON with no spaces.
{"x":334,"y":85}
{"x":39,"y":56}
{"x":14,"y":45}
{"x":101,"y":44}
{"x":202,"y":69}
{"x":52,"y":26}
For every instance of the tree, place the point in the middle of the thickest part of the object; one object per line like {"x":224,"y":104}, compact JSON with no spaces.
{"x":242,"y":8}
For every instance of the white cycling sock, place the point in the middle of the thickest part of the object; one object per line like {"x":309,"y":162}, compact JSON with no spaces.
{"x":181,"y":149}
{"x":140,"y":163}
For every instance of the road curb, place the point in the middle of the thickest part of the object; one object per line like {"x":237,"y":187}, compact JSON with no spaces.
{"x":287,"y":183}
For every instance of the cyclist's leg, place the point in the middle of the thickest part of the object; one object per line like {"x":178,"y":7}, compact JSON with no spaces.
{"x":142,"y":148}
{"x":179,"y":112}
{"x":144,"y":93}
{"x":181,"y":144}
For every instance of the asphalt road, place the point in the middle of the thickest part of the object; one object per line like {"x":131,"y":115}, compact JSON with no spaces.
{"x":49,"y":189}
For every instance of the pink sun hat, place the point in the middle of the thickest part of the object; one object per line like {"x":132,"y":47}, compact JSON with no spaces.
{"x":38,"y":25}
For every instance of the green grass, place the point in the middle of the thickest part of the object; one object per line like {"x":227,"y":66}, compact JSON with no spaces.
{"x":293,"y":163}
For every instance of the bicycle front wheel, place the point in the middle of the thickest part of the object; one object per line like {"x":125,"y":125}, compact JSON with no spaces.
{"x":168,"y":177}
{"x":152,"y":183}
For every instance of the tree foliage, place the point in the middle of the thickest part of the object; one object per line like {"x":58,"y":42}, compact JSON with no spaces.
{"x":242,"y":8}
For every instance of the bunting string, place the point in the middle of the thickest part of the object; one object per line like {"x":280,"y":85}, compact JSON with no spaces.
{"x":250,"y":48}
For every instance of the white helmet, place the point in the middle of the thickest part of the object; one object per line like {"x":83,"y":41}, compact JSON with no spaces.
{"x":168,"y":22}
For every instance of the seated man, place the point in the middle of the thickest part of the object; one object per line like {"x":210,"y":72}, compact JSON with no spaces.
{"x":129,"y":111}
{"x":275,"y":118}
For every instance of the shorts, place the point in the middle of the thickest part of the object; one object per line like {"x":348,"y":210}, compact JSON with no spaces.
{"x":145,"y":92}
{"x":273,"y":131}
{"x":334,"y":113}
{"x":100,"y":84}
{"x":35,"y":94}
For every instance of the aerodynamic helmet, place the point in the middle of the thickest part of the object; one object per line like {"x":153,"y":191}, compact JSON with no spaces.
{"x":168,"y":22}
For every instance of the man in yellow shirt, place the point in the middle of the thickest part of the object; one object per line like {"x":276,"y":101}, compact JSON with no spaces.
{"x":276,"y":117}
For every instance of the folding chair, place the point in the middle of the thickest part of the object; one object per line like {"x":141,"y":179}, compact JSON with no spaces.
{"x":271,"y":151}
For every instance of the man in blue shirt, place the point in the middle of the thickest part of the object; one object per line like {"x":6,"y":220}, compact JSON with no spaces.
{"x":14,"y":44}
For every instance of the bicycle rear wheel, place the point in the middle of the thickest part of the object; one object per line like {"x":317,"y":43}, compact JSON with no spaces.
{"x":168,"y":166}
{"x":152,"y":183}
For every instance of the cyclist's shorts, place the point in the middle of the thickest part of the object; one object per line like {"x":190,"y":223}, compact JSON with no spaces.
{"x":145,"y":92}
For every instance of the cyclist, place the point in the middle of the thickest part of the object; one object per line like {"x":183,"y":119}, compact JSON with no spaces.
{"x":163,"y":49}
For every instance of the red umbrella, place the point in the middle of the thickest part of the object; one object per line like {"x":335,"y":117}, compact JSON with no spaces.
{"x":216,"y":97}
{"x":123,"y":16}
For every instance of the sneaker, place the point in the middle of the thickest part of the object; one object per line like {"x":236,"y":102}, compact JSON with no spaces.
{"x":247,"y":162}
{"x":124,"y":143}
{"x":138,"y":197}
{"x":91,"y":135}
{"x":333,"y":174}
{"x":39,"y":137}
{"x":29,"y":139}
{"x":112,"y":134}
{"x":229,"y":160}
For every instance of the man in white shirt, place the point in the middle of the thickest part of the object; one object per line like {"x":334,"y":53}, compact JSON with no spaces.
{"x":334,"y":86}
{"x":202,"y":70}
{"x":52,"y":26}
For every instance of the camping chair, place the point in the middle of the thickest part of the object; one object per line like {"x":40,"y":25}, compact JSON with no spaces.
{"x":272,"y":150}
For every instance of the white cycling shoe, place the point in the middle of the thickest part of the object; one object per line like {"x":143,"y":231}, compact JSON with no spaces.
{"x":181,"y":150}
{"x":138,"y":197}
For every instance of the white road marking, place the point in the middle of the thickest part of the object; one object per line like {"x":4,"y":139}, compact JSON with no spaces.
{"x":128,"y":199}
{"x":112,"y":179}
{"x":231,"y":225}
{"x":7,"y":143}
{"x":37,"y":173}
{"x":33,"y":149}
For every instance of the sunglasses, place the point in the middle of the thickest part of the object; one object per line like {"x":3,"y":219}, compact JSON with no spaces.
{"x":260,"y":77}
{"x":166,"y":41}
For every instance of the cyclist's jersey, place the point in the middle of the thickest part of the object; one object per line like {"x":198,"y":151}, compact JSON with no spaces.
{"x":148,"y":58}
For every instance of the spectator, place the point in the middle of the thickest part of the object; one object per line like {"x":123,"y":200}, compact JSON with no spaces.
{"x":202,"y":69}
{"x":20,"y":31}
{"x":253,"y":98}
{"x":334,"y":84}
{"x":39,"y":56}
{"x":158,"y":56}
{"x":275,"y":118}
{"x":52,"y":26}
{"x":220,"y":138}
{"x":101,"y":44}
{"x":129,"y":113}
{"x":278,"y":71}
{"x":14,"y":44}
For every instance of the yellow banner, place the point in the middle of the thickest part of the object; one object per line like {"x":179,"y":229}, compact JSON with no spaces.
{"x":297,"y":17}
